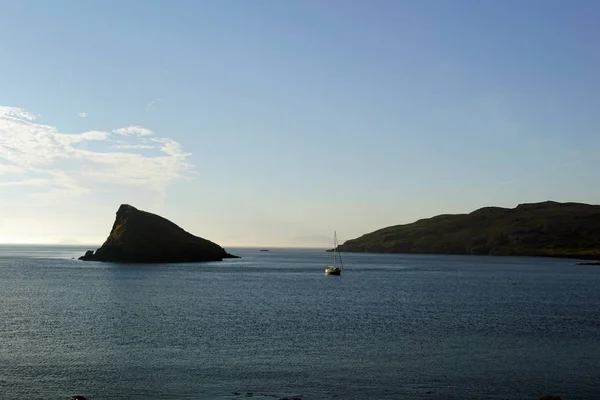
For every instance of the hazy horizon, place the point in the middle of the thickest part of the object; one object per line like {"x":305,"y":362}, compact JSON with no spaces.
{"x":74,"y":242}
{"x":225,"y":246}
{"x":275,"y":123}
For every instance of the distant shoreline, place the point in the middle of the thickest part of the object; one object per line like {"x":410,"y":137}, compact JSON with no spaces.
{"x":329,"y":250}
{"x":562,"y":256}
{"x":96,"y":245}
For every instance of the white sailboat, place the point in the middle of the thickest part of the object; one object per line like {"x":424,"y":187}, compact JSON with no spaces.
{"x":334,"y":270}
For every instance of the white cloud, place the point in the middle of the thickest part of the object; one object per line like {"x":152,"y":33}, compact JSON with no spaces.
{"x":11,"y":169}
{"x":171,"y":148}
{"x":82,"y":114}
{"x":134,"y":131}
{"x":51,"y":164}
{"x":15,"y":114}
{"x":134,"y":146}
{"x":80,"y":137}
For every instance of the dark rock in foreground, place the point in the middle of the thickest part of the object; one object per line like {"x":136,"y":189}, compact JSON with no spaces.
{"x":142,"y":237}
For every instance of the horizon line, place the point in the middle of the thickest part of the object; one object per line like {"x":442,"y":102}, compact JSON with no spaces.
{"x":99,"y":245}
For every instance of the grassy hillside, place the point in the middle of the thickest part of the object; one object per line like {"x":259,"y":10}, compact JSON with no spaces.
{"x":538,"y":229}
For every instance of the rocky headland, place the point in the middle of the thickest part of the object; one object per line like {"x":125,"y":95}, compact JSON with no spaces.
{"x":141,"y":237}
{"x":547,"y":229}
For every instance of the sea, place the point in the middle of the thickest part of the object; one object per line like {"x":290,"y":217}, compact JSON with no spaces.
{"x":272,"y":325}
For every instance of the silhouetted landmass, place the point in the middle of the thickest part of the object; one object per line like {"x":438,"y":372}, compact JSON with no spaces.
{"x":142,"y":237}
{"x":547,"y":229}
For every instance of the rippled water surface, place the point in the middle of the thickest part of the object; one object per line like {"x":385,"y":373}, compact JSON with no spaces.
{"x":271,"y":323}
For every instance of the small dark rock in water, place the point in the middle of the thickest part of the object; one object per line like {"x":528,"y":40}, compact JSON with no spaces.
{"x":236,"y":393}
{"x":550,"y":398}
{"x":89,"y":253}
{"x":584,"y":263}
{"x":78,"y":398}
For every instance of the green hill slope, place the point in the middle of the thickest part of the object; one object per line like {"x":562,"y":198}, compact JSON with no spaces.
{"x":539,"y":229}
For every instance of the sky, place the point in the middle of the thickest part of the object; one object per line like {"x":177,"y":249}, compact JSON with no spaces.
{"x":274,"y":123}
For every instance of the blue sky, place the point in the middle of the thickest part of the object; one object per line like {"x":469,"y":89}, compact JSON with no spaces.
{"x":276,"y":122}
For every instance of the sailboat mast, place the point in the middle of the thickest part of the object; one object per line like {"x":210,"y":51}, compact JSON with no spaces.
{"x":334,"y":246}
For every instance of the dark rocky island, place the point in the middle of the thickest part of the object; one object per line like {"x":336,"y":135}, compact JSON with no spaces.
{"x":142,"y":237}
{"x":547,"y":229}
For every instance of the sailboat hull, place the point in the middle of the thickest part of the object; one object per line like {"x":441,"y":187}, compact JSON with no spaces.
{"x":332,"y":271}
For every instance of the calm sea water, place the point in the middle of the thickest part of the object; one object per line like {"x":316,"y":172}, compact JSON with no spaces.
{"x":271,"y":323}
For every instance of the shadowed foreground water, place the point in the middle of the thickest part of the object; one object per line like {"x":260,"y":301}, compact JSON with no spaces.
{"x":391,"y":327}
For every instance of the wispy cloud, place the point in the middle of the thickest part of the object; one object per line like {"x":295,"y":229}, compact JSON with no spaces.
{"x":134,"y":146}
{"x":82,"y":114}
{"x":54,"y":164}
{"x":153,"y":104}
{"x":133,"y":130}
{"x":11,"y":169}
